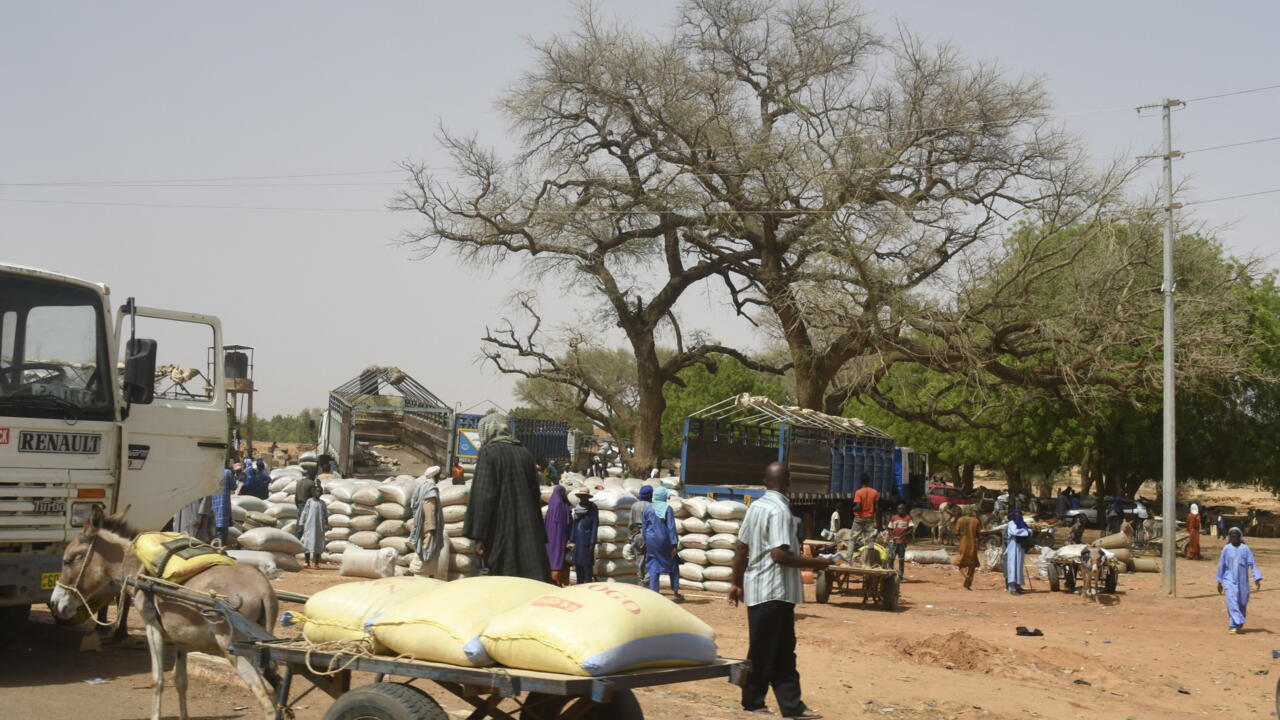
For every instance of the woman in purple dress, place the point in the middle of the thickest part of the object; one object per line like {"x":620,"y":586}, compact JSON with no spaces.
{"x":558,"y":522}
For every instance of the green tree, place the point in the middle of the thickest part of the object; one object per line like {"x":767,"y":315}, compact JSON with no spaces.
{"x":702,"y":386}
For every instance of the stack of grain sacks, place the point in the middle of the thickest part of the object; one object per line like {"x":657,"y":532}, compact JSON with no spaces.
{"x":614,"y":534}
{"x":462,"y":560}
{"x":368,"y":515}
{"x":708,"y":534}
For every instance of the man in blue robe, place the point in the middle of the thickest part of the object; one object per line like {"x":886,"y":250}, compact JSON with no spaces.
{"x":1014,"y":554}
{"x":1233,"y":578}
{"x":660,"y":543}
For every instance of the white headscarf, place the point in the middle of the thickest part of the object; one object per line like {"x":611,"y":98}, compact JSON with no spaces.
{"x":1195,"y":509}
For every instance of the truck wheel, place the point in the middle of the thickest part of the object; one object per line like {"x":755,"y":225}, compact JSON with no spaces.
{"x":624,"y":706}
{"x":1112,"y":576}
{"x":386,"y":701}
{"x":822,"y":587}
{"x":889,"y":592}
{"x":1053,"y":578}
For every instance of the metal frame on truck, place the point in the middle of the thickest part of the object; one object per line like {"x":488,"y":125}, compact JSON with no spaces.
{"x":727,"y":445}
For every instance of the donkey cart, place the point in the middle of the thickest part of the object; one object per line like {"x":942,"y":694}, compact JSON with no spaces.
{"x":876,"y":585}
{"x":528,"y":695}
{"x":1064,"y":572}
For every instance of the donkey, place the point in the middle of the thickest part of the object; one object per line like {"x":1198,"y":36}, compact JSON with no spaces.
{"x":104,"y":551}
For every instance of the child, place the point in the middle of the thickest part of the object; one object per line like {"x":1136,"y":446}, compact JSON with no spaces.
{"x":899,"y":536}
{"x":312,"y":525}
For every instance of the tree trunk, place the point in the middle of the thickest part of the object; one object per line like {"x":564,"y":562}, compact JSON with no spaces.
{"x":966,"y":477}
{"x":647,"y":428}
{"x":953,"y":475}
{"x":1015,"y":482}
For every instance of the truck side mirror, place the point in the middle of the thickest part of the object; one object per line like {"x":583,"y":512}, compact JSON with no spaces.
{"x":139,"y":371}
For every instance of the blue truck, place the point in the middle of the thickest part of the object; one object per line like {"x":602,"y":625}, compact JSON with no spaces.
{"x":727,"y":445}
{"x":546,"y":439}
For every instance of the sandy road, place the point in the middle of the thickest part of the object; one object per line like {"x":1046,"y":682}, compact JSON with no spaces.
{"x":947,"y":653}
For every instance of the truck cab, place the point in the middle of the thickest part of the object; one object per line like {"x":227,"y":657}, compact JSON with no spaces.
{"x":86,"y":419}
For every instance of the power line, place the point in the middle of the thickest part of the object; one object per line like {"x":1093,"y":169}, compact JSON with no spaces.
{"x":97,"y":183}
{"x":1232,"y":145}
{"x":190,"y":186}
{"x":1233,"y":93}
{"x":1232,"y":197}
{"x":185,"y":206}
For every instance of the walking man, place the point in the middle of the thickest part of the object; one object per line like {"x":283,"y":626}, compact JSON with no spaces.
{"x":766,"y":576}
{"x":1234,"y":565}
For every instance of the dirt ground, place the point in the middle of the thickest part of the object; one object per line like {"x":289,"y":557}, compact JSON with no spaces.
{"x":947,"y":653}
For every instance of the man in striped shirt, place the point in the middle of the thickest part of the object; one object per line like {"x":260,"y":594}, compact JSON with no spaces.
{"x":766,"y":576}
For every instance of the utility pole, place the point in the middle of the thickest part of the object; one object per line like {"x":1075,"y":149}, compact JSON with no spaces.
{"x":1169,"y":476}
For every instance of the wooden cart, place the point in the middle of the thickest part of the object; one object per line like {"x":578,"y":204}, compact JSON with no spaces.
{"x":499,"y":693}
{"x":876,"y":585}
{"x":1064,"y":571}
{"x":873,"y":584}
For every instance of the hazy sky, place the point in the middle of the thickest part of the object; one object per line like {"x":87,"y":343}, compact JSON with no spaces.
{"x":138,"y":91}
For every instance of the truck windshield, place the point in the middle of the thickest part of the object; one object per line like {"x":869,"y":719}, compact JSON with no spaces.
{"x":53,"y":360}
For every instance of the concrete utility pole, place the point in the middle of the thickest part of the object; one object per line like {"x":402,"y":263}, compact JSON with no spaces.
{"x":1169,"y":476}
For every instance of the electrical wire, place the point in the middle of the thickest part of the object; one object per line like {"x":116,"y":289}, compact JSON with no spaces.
{"x":184,"y":206}
{"x":96,"y":183}
{"x":1232,"y":93}
{"x":1232,"y":197}
{"x":1232,"y":145}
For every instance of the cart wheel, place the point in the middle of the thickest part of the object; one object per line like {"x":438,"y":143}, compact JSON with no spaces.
{"x":1054,"y":578}
{"x":889,"y":592}
{"x":624,"y":706}
{"x":1112,"y":576}
{"x":822,"y":587}
{"x":386,"y":701}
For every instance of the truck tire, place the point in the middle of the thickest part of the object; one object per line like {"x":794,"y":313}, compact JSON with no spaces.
{"x":624,"y":706}
{"x":1054,"y":578}
{"x":822,"y":587}
{"x":889,"y":591}
{"x":386,"y":701}
{"x":13,"y":619}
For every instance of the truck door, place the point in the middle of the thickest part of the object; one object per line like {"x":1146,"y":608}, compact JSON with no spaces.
{"x":176,"y":445}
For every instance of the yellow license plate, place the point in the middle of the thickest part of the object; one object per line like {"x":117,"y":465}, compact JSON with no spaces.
{"x":48,"y":581}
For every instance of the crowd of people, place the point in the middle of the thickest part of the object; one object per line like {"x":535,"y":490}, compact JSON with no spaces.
{"x":512,"y":537}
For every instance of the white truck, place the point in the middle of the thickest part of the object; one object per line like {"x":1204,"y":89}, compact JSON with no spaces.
{"x":84,"y":421}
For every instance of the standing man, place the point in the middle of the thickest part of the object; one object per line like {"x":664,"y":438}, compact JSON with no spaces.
{"x":1193,"y":533}
{"x":1233,"y":578}
{"x":766,"y":576}
{"x":864,"y":517}
{"x":302,"y":491}
{"x":504,"y":515}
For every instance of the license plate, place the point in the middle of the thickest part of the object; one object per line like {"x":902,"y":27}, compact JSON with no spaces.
{"x":50,"y":507}
{"x":48,"y":581}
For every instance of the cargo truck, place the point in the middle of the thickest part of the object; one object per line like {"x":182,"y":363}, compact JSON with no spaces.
{"x":86,"y":420}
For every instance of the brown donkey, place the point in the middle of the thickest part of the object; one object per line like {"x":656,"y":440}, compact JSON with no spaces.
{"x":104,"y":551}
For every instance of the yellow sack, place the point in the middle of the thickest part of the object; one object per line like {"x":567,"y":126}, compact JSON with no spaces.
{"x":599,"y":629}
{"x":339,"y":613}
{"x":446,"y":625}
{"x":176,"y":557}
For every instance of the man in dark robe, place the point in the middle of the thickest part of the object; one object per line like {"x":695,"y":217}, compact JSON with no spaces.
{"x":504,"y":514}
